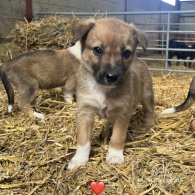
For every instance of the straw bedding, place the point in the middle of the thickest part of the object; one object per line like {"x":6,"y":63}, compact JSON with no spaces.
{"x":161,"y":160}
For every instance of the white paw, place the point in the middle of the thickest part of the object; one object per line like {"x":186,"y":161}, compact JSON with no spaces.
{"x":81,"y":156}
{"x":10,"y":108}
{"x":168,"y":111}
{"x":38,"y":115}
{"x":68,"y":100}
{"x":115,"y":156}
{"x":68,"y":97}
{"x":76,"y":162}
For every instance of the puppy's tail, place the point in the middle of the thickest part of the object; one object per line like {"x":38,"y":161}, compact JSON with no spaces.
{"x":8,"y":87}
{"x":186,"y":104}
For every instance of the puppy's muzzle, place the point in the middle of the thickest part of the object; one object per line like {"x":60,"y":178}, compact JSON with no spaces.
{"x":109,"y":77}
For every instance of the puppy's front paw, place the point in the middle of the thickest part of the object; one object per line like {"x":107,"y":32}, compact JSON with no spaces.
{"x":77,"y":162}
{"x":115,"y":156}
{"x":115,"y":159}
{"x":81,"y":156}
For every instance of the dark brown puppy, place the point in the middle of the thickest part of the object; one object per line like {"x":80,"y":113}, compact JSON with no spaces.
{"x":111,"y":83}
{"x":186,"y":104}
{"x":44,"y":69}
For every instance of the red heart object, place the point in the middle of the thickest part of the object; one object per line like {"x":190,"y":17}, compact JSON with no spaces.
{"x":97,"y":187}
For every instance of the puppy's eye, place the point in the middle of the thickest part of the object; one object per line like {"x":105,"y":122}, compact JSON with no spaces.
{"x":97,"y":51}
{"x":126,"y":53}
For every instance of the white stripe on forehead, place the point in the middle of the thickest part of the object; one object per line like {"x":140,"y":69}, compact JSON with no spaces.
{"x":112,"y":62}
{"x":113,"y":28}
{"x":128,"y":47}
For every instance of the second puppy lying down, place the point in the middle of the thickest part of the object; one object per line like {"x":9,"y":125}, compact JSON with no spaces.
{"x":186,"y":104}
{"x":44,"y":69}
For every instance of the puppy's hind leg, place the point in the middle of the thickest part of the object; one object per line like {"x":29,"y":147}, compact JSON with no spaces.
{"x":26,"y":96}
{"x":8,"y":87}
{"x":148,"y":105}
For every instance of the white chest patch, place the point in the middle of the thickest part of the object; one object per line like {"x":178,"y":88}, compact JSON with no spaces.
{"x":96,"y":96}
{"x":75,"y":50}
{"x":100,"y":100}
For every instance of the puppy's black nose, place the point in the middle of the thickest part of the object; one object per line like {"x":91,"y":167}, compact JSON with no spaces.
{"x":111,"y":77}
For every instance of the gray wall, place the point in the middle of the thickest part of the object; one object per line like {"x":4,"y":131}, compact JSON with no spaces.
{"x":187,"y":18}
{"x":146,"y":5}
{"x":10,"y":12}
{"x":78,"y":5}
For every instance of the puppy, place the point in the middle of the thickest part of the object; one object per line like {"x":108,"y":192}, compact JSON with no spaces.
{"x":44,"y":69}
{"x":111,"y":83}
{"x":186,"y":104}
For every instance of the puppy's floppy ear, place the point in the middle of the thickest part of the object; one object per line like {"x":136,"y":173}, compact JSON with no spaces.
{"x":82,"y":28}
{"x":141,"y":38}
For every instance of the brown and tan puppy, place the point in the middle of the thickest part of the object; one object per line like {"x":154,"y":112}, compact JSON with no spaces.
{"x":111,"y":83}
{"x":44,"y":69}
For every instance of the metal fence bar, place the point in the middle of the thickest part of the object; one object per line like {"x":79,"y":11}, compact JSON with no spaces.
{"x":114,"y":13}
{"x":163,"y":59}
{"x":185,"y":41}
{"x":167,"y":45}
{"x":172,"y":24}
{"x":170,"y":31}
{"x":171,"y":70}
{"x":164,"y":49}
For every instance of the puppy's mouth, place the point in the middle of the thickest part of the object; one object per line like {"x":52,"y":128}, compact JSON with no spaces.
{"x":109,"y":78}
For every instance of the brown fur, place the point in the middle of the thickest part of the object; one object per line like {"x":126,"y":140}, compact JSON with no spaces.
{"x":44,"y":69}
{"x":117,"y":102}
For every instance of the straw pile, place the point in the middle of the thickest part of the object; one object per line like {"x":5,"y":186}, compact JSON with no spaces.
{"x":34,"y":153}
{"x":52,"y":32}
